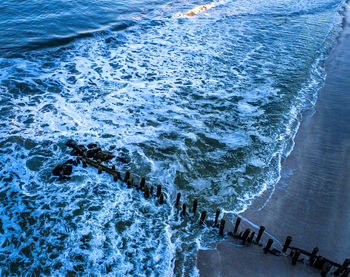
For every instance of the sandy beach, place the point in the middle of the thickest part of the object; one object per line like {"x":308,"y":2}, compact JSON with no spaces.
{"x":311,"y":202}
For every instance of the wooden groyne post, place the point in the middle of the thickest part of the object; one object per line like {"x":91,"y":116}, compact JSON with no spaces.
{"x":159,"y":190}
{"x":195,"y":204}
{"x":202,"y":218}
{"x":183,"y":213}
{"x":313,"y":256}
{"x":142,"y":183}
{"x":260,"y":233}
{"x":287,"y":243}
{"x":146,"y":192}
{"x":251,"y":237}
{"x":238,"y":221}
{"x":216,"y":217}
{"x":222,"y":226}
{"x":245,"y":235}
{"x":178,"y":197}
{"x":161,"y":198}
{"x":268,"y":245}
{"x":341,"y":268}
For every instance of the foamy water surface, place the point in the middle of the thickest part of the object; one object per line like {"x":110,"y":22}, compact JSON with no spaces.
{"x":206,"y":105}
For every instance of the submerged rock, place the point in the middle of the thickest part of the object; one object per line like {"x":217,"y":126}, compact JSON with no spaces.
{"x":74,"y":152}
{"x":62,"y":170}
{"x":103,"y":156}
{"x":92,"y":145}
{"x":122,"y":159}
{"x":71,"y":143}
{"x":123,"y":156}
{"x":78,"y":150}
{"x":92,"y":152}
{"x":81,"y":148}
{"x":70,"y":161}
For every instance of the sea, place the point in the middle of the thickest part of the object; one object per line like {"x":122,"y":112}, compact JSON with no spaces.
{"x":206,"y":105}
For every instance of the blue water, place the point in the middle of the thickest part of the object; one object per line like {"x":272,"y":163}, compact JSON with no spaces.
{"x":207,"y":105}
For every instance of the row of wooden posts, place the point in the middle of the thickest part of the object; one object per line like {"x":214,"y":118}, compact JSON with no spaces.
{"x":246,"y":236}
{"x":148,"y":191}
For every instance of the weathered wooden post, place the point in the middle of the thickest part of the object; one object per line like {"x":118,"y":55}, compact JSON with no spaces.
{"x":260,"y":233}
{"x":115,"y":177}
{"x":319,"y":263}
{"x":84,"y":163}
{"x":325,"y":269}
{"x":183,"y":212}
{"x":217,"y":217}
{"x":238,"y":221}
{"x":346,"y":272}
{"x":222,"y":226}
{"x":129,"y":183}
{"x":268,"y":245}
{"x":287,"y":243}
{"x":245,"y":235}
{"x":146,"y":192}
{"x":113,"y":167}
{"x":151,"y":190}
{"x":251,"y":237}
{"x":127,"y":176}
{"x":178,"y":197}
{"x":159,"y":190}
{"x":342,"y":267}
{"x":142,"y":183}
{"x":313,"y":256}
{"x":296,"y":256}
{"x":99,"y":170}
{"x":161,"y":198}
{"x":203,"y":215}
{"x":195,"y":204}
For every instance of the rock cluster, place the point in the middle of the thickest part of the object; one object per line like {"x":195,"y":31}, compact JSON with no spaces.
{"x":63,"y":171}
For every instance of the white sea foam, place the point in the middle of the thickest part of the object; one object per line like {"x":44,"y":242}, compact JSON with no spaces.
{"x":206,"y":106}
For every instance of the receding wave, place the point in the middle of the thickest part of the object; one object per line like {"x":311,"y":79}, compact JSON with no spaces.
{"x":206,"y":105}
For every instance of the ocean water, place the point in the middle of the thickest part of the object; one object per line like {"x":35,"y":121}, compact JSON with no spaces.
{"x":205,"y":105}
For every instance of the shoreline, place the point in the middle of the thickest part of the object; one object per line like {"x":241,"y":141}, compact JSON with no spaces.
{"x":311,"y":202}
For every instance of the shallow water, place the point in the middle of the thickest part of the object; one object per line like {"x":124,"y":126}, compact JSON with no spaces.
{"x":206,"y":105}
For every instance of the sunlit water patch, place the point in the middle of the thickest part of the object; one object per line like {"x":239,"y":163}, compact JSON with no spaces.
{"x":206,"y":105}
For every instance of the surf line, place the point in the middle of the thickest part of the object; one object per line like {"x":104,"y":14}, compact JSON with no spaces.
{"x":197,"y":10}
{"x":246,"y":237}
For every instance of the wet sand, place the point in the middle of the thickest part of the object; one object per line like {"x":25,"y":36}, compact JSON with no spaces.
{"x":311,"y":202}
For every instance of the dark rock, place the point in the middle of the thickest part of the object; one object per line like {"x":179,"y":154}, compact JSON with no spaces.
{"x":62,"y":169}
{"x":70,"y":161}
{"x":92,"y":152}
{"x":123,"y":155}
{"x":74,"y":152}
{"x":123,"y":160}
{"x":123,"y":150}
{"x":82,"y":148}
{"x":71,"y":143}
{"x":103,"y":156}
{"x":92,"y":145}
{"x":78,"y":150}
